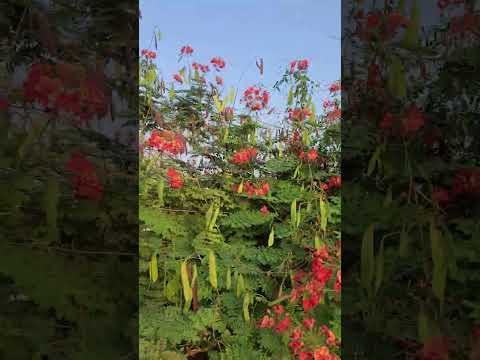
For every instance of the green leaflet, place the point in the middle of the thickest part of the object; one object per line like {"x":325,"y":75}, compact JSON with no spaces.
{"x":404,"y":243}
{"x":374,"y":160}
{"x":52,"y":196}
{"x":271,"y":238}
{"x":171,"y":93}
{"x":290,"y":96}
{"x":323,"y":215}
{"x":367,"y":259}
{"x":187,"y":290}
{"x":379,"y":267}
{"x":411,"y":38}
{"x":160,"y":192}
{"x":194,"y":274}
{"x":213,"y":222}
{"x":317,"y":240}
{"x":423,"y":326}
{"x":299,"y":216}
{"x":240,"y":285}
{"x":246,"y":303}
{"x":293,"y":212}
{"x":229,"y":279}
{"x":212,"y":269}
{"x":396,"y":78}
{"x":153,"y":268}
{"x":388,"y":197}
{"x":208,"y":216}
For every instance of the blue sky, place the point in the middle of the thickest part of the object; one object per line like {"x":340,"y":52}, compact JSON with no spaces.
{"x":241,"y":31}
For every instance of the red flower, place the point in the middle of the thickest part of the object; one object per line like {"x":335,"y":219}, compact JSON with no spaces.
{"x":374,"y":78}
{"x":334,"y":181}
{"x":284,"y":324}
{"x":85,"y":181}
{"x":466,"y":181}
{"x":174,"y":178}
{"x":264,"y":210}
{"x":219,"y":80}
{"x":296,"y":334}
{"x":312,"y":155}
{"x":334,"y":87}
{"x":309,"y":323}
{"x":149,"y":54}
{"x":322,"y":353}
{"x":186,"y":50}
{"x":440,"y":195}
{"x":413,"y":120}
{"x":373,"y":20}
{"x":338,"y":282}
{"x":295,"y":346}
{"x":243,"y":156}
{"x":331,"y":339}
{"x":79,"y":164}
{"x":178,"y":78}
{"x":266,"y":323}
{"x":87,"y":186}
{"x":255,"y":98}
{"x":299,"y":114}
{"x":435,"y":349}
{"x":310,"y":302}
{"x":302,"y":65}
{"x":3,"y":104}
{"x":387,"y":121}
{"x":278,"y":309}
{"x":305,"y":355}
{"x":218,"y":63}
{"x":324,"y":187}
{"x":167,"y":141}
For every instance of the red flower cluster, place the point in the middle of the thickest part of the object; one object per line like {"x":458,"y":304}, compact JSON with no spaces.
{"x":333,"y":183}
{"x":334,"y":87}
{"x":178,"y":78}
{"x":278,"y":323}
{"x":175,"y":179}
{"x":186,"y":50}
{"x":468,"y":23}
{"x":338,"y":282}
{"x":51,"y":87}
{"x":262,"y":190}
{"x":243,"y":156}
{"x":264,"y":210}
{"x":300,"y":65}
{"x":218,"y":63}
{"x":299,"y":114}
{"x":149,"y":54}
{"x":85,"y":182}
{"x":442,"y":4}
{"x":3,"y":104}
{"x":378,"y":23}
{"x":311,"y":155}
{"x":202,"y":68}
{"x":466,"y":181}
{"x":333,"y":111}
{"x":167,"y":141}
{"x":256,"y":98}
{"x":411,"y":121}
{"x":334,"y":114}
{"x":219,"y":80}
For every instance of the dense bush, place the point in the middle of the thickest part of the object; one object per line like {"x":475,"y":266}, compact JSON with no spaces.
{"x":410,"y":161}
{"x":240,"y":236}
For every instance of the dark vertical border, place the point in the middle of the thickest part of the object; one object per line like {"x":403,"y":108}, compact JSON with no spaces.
{"x":69,"y":179}
{"x":411,"y":179}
